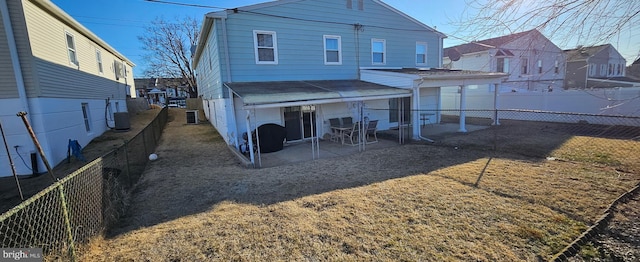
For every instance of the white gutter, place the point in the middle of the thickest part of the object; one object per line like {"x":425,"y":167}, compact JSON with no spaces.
{"x":323,"y":101}
{"x":15,"y":60}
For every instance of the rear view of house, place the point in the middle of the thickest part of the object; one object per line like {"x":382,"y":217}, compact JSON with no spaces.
{"x":68,"y":80}
{"x":297,"y":63}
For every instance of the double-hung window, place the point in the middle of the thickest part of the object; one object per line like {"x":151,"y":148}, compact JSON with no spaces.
{"x":266,"y":47}
{"x":99,"y":61}
{"x":421,"y":53}
{"x":556,"y":68}
{"x":332,"y":50}
{"x":378,"y":51}
{"x":524,"y":66}
{"x":71,"y":49}
{"x":539,"y":66}
{"x":502,"y":64}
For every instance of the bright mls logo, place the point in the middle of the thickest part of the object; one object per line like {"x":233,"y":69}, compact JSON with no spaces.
{"x":21,"y":254}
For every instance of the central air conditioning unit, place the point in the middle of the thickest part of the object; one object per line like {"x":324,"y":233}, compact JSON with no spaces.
{"x":122,"y":121}
{"x":118,"y":69}
{"x":192,"y":116}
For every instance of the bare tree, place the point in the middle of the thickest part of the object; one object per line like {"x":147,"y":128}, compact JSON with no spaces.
{"x":168,"y":46}
{"x":585,"y":22}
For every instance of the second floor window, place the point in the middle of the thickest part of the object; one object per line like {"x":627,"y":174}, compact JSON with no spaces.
{"x":378,"y":50}
{"x":99,"y":60}
{"x":556,"y":68}
{"x":266,"y":47}
{"x":71,"y":48}
{"x":502,"y":65}
{"x":332,"y":50}
{"x":524,"y":66}
{"x":421,"y":53}
{"x":539,"y":66}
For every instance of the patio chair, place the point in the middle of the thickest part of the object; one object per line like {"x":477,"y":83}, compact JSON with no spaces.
{"x":352,"y":133}
{"x":372,"y":129}
{"x":346,"y":121}
{"x":334,"y":123}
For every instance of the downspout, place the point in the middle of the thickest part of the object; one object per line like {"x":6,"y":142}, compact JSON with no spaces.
{"x":227,"y":63}
{"x":250,"y":140}
{"x":15,"y":59}
{"x":440,"y":55}
{"x":227,"y":60}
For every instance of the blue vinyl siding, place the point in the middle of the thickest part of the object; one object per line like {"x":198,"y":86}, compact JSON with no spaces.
{"x":209,"y":70}
{"x":300,"y":40}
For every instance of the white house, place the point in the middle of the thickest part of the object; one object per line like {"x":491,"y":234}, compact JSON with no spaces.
{"x":532,"y":61}
{"x":67,"y":80}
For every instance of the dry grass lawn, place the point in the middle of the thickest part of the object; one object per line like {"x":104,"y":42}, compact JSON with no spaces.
{"x":408,"y":203}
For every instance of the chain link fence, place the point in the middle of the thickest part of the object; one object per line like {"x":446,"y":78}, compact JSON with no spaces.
{"x":83,"y":204}
{"x":599,"y":139}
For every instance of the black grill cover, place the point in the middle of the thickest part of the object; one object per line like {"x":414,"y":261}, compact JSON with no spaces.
{"x":272,"y":137}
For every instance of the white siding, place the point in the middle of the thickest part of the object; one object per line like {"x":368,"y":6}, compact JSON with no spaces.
{"x":58,"y":77}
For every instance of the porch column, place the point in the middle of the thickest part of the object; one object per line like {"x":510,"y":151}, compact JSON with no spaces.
{"x":496,"y":120}
{"x":463,"y":107}
{"x":415,"y":116}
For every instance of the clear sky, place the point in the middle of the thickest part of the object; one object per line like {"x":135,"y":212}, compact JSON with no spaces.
{"x":120,"y":22}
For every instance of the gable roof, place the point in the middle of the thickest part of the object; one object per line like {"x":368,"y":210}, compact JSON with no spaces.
{"x":583,"y":52}
{"x":283,"y":2}
{"x":487,"y":44}
{"x":207,"y":23}
{"x":637,"y":62}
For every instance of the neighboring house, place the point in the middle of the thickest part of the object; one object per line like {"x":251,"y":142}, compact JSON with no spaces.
{"x":532,"y":61}
{"x":633,"y":71}
{"x":171,"y":87}
{"x":299,"y":63}
{"x":595,"y":66}
{"x":68,"y":80}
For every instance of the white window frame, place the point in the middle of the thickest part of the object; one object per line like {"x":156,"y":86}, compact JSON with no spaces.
{"x":99,"y":61}
{"x":324,"y":43}
{"x":505,"y":64}
{"x":256,"y":47}
{"x":384,"y":51}
{"x":524,"y":66}
{"x":86,"y":115}
{"x":540,"y":66}
{"x":72,"y":52}
{"x":426,"y":46}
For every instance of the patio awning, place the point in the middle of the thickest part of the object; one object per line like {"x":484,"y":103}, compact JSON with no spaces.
{"x":437,"y":77}
{"x":292,"y":93}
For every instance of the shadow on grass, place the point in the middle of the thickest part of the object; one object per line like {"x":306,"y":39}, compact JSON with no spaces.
{"x":196,"y":172}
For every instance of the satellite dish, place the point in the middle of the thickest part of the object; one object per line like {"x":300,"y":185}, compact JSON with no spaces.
{"x":453,"y":54}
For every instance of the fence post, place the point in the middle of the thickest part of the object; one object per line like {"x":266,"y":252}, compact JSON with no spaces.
{"x":67,"y":222}
{"x":144,"y":141}
{"x":126,"y":158}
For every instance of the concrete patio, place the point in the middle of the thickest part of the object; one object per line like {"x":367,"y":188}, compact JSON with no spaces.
{"x":301,"y":151}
